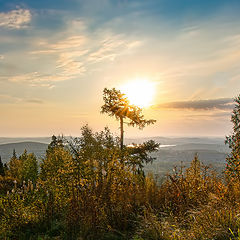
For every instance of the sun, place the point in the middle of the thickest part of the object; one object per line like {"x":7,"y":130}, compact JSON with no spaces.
{"x":140,"y":92}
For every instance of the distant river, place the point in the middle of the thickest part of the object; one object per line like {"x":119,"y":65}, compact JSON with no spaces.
{"x":165,"y":146}
{"x":161,"y":146}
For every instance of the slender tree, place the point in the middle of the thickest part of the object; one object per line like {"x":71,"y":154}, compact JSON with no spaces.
{"x":6,"y":169}
{"x":116,"y":104}
{"x":56,"y":158}
{"x":2,"y":172}
{"x":15,"y":166}
{"x":233,"y":159}
{"x":29,"y":166}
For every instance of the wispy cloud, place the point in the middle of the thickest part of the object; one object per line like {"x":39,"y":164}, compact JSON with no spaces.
{"x":34,"y":100}
{"x":75,"y":54}
{"x":209,"y":115}
{"x":221,"y":103}
{"x":37,"y":79}
{"x":15,"y":19}
{"x":4,"y":98}
{"x":110,"y":47}
{"x":69,"y":43}
{"x":68,"y":63}
{"x":9,"y":99}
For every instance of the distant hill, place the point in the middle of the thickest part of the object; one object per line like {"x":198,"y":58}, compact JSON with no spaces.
{"x":180,"y":140}
{"x":6,"y":150}
{"x":167,"y":158}
{"x":211,"y":151}
{"x":174,"y":151}
{"x":4,"y":140}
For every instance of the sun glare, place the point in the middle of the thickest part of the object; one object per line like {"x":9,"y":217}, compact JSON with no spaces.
{"x":140,"y":92}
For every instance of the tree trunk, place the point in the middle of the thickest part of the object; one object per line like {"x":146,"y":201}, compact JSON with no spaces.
{"x":121,"y":129}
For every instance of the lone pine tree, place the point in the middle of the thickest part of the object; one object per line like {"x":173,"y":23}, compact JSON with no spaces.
{"x":116,"y":104}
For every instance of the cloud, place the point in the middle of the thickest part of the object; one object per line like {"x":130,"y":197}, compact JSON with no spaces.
{"x":209,"y":115}
{"x":70,"y":42}
{"x":66,"y":45}
{"x":37,"y":79}
{"x":75,"y":54}
{"x":110,"y":47}
{"x":8,"y":99}
{"x":15,"y":19}
{"x":37,"y":101}
{"x":1,"y":57}
{"x":68,"y":63}
{"x":49,"y":51}
{"x":4,"y":98}
{"x":220,"y":103}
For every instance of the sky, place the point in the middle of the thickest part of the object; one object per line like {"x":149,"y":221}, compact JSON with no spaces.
{"x":57,"y":56}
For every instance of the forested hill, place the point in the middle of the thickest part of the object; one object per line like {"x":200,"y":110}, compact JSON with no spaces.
{"x":6,"y":150}
{"x":4,"y":140}
{"x":172,"y":151}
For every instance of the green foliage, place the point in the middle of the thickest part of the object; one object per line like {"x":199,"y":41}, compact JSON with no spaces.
{"x":233,"y":160}
{"x":91,"y":183}
{"x":29,"y":167}
{"x":23,"y":168}
{"x":139,"y":154}
{"x":55,"y":160}
{"x":15,"y":167}
{"x":23,"y":212}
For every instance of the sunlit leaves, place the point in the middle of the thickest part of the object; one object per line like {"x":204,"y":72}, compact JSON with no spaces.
{"x":233,"y":160}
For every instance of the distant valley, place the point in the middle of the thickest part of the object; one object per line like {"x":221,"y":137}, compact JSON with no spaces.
{"x":177,"y":151}
{"x":211,"y":151}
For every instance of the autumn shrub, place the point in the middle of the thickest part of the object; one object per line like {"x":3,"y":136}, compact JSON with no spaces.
{"x":6,"y":184}
{"x":89,"y":188}
{"x":22,"y":210}
{"x":188,"y":188}
{"x":109,"y":201}
{"x":95,"y":187}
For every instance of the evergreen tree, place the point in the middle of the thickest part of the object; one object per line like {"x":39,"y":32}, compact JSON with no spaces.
{"x":2,"y":172}
{"x":57,"y":142}
{"x":139,"y":154}
{"x":233,"y":159}
{"x":23,"y":168}
{"x":29,"y":167}
{"x":15,"y":166}
{"x":6,"y":169}
{"x":56,"y":157}
{"x":116,"y":104}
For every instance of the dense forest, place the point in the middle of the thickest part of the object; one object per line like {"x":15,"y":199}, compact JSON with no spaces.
{"x":94,"y":187}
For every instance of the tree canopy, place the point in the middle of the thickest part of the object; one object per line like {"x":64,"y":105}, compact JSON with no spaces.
{"x":233,"y":159}
{"x":116,"y":104}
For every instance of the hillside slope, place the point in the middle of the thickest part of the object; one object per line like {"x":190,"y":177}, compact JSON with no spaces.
{"x":37,"y":148}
